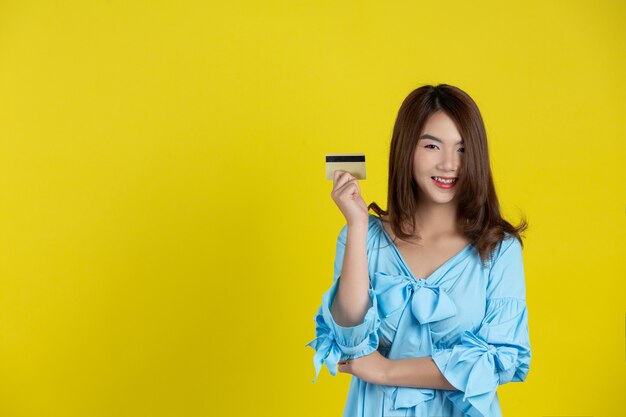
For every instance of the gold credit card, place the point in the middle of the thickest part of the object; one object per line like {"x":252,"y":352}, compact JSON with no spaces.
{"x":354,"y":163}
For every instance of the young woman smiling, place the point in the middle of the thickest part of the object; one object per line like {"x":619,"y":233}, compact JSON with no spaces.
{"x":427,"y":307}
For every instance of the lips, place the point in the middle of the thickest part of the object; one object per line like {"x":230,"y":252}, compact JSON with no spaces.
{"x":442,"y":184}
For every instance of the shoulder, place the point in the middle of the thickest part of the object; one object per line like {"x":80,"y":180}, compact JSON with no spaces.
{"x":507,"y":246}
{"x":506,"y":272}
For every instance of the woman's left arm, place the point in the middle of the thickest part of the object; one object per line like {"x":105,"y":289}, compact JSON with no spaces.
{"x":411,"y":372}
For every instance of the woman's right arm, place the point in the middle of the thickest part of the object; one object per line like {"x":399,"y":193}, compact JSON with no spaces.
{"x":352,"y":299}
{"x":347,"y":322}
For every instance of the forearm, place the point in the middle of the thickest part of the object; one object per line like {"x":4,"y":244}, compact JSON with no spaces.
{"x":416,"y":372}
{"x":352,"y":298}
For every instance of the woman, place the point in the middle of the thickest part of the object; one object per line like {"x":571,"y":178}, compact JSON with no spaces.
{"x":427,"y":310}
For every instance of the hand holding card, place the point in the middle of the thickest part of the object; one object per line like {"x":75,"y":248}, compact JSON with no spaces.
{"x":346,"y":193}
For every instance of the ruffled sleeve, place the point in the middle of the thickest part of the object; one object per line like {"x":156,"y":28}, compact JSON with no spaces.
{"x":334,"y":342}
{"x":499,"y":350}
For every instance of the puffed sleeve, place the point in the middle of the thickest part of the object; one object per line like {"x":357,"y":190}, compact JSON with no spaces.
{"x":334,"y":342}
{"x":499,"y":350}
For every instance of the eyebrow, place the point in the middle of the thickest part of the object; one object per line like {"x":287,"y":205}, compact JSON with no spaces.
{"x":436,"y":139}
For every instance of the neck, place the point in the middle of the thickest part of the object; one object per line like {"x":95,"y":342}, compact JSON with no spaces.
{"x":435,"y":220}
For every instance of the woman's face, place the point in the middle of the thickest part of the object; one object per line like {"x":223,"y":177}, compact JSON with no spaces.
{"x":438,"y":153}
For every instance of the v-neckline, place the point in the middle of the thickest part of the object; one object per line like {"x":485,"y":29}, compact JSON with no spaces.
{"x":406,"y":265}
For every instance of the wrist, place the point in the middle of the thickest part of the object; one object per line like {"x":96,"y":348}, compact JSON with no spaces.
{"x":387,"y":372}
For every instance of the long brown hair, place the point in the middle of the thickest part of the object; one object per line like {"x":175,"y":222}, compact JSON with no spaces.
{"x":478,"y":212}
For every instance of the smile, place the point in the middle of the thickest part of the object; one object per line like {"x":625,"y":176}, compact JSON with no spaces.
{"x":442,"y":182}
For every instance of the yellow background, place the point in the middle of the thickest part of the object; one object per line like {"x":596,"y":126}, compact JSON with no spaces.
{"x":166,"y":231}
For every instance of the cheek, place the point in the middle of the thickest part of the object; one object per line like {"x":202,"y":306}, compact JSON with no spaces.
{"x":420,"y":163}
{"x":424,"y":155}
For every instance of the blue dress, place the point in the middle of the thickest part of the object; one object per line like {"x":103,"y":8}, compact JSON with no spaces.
{"x":471,"y":318}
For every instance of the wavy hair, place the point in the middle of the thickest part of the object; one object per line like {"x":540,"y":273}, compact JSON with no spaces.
{"x":478,"y":213}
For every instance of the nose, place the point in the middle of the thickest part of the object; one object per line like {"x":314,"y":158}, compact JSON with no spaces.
{"x":449,"y":161}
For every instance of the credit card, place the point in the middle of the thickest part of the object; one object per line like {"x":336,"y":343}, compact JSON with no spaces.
{"x":354,"y":163}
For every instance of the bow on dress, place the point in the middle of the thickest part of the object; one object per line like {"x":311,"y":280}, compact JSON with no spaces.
{"x":326,"y":350}
{"x":479,"y":364}
{"x":428,"y":303}
{"x":329,"y":348}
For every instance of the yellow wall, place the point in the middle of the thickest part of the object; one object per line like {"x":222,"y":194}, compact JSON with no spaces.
{"x":166,"y":231}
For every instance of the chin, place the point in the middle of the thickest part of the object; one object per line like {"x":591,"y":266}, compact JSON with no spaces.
{"x":442,"y":200}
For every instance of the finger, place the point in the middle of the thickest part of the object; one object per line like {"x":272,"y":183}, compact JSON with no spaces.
{"x":336,"y":175}
{"x":341,"y":177}
{"x":350,"y":187}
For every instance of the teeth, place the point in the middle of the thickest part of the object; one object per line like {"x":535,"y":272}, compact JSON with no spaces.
{"x":445,"y":181}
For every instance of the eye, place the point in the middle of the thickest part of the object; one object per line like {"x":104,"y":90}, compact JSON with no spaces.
{"x":462,"y":149}
{"x":427,"y":146}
